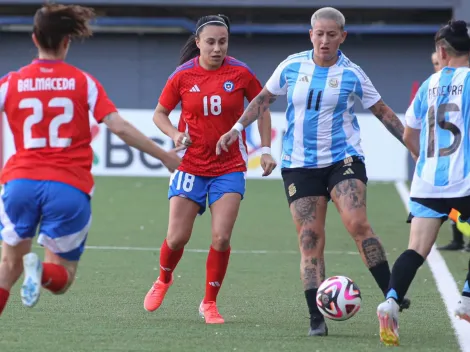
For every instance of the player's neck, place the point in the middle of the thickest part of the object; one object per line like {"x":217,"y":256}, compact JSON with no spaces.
{"x":207,"y":67}
{"x":49,"y":56}
{"x":457,"y":62}
{"x":325,"y":63}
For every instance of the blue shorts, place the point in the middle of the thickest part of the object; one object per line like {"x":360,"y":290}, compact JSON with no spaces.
{"x":62,"y":213}
{"x":200,"y":188}
{"x":439,"y":207}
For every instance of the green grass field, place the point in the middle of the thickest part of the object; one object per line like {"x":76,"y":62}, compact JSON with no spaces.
{"x":261,"y":299}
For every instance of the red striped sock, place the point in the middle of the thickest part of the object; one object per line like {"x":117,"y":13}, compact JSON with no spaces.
{"x":216,"y":267}
{"x":169,"y":259}
{"x":54,"y":277}
{"x":4,"y":294}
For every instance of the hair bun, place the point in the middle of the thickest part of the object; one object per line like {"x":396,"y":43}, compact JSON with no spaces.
{"x":459,"y":28}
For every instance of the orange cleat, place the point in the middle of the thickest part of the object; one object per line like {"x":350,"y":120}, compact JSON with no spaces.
{"x":210,"y":313}
{"x":154,"y":298}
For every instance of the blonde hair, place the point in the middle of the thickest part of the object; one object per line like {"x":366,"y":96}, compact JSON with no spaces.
{"x":329,"y":13}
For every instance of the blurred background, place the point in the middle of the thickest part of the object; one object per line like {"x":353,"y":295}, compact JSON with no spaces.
{"x":136,"y":45}
{"x":135,"y":48}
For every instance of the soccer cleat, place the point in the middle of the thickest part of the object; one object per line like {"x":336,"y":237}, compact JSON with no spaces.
{"x":467,"y":247}
{"x":31,"y":288}
{"x":452,"y":246}
{"x":317,"y":326}
{"x":463,"y":308}
{"x":387,"y":312}
{"x":209,"y":312}
{"x":405,"y":304}
{"x":154,"y":298}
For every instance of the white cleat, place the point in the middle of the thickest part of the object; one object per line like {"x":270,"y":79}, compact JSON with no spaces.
{"x":31,"y":287}
{"x":387,"y":312}
{"x":463,"y":309}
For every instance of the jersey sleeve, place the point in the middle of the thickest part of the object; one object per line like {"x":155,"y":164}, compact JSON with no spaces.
{"x":414,"y":114}
{"x":253,"y":86}
{"x":365,"y":90}
{"x":98,"y":102}
{"x":170,"y":96}
{"x":277,"y":83}
{"x":3,"y":90}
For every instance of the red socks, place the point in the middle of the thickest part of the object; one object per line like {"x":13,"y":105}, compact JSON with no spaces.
{"x":168,"y":261}
{"x":216,"y":267}
{"x":4,"y":294}
{"x":54,"y":277}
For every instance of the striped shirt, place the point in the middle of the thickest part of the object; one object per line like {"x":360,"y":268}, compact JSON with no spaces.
{"x":322,"y":128}
{"x":441,"y":110}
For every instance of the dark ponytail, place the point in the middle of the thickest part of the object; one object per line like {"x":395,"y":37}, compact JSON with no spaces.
{"x":54,"y":22}
{"x":190,"y":49}
{"x":454,"y":37}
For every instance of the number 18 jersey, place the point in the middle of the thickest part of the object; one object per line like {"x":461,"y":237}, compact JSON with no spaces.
{"x":211,"y":103}
{"x":47,"y":104}
{"x":441,"y":110}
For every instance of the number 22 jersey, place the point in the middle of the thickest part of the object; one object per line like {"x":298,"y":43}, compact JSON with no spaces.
{"x":47,"y":104}
{"x":211,"y":103}
{"x":441,"y":110}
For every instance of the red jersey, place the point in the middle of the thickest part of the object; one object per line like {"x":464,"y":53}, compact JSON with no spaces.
{"x":47,"y":104}
{"x":211,"y":103}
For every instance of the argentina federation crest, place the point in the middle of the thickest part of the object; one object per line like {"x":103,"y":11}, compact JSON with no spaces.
{"x":228,"y":86}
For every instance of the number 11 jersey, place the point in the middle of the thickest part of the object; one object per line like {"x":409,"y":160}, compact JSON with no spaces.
{"x":47,"y":104}
{"x":211,"y":103}
{"x":441,"y":110}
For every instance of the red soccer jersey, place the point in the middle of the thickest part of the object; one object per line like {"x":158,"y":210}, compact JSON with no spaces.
{"x":211,"y":103}
{"x":47,"y":104}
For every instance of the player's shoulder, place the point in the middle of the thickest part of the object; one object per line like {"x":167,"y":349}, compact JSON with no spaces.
{"x":239,"y":65}
{"x":348,"y":65}
{"x":183,"y":69}
{"x":303,"y":56}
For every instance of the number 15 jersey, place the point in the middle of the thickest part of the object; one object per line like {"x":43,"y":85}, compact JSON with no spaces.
{"x":47,"y":104}
{"x":441,"y":110}
{"x":211,"y":103}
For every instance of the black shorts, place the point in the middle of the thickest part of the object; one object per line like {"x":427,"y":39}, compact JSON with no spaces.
{"x":439,"y":208}
{"x":305,"y":182}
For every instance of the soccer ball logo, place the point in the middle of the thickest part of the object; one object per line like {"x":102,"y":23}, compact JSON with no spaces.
{"x":339,"y":298}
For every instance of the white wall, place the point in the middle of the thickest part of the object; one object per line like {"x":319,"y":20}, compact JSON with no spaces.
{"x":386,"y":158}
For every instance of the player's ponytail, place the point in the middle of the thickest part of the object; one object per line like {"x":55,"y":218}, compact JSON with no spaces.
{"x":190,"y":49}
{"x":454,"y":37}
{"x":54,"y":22}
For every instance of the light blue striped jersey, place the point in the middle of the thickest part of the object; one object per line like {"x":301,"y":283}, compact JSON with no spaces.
{"x":441,"y":110}
{"x":321,"y":126}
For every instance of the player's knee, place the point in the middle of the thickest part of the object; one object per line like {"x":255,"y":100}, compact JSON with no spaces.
{"x":311,"y":241}
{"x":358,"y":227}
{"x":177,"y":240}
{"x":221,"y":240}
{"x":13,"y":264}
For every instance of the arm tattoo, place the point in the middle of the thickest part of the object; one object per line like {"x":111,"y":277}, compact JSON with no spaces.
{"x":390,"y":120}
{"x":373,"y":252}
{"x":109,"y":117}
{"x":257,"y":107}
{"x":354,"y":195}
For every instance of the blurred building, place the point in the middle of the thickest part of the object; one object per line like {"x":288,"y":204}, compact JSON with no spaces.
{"x":137,"y":42}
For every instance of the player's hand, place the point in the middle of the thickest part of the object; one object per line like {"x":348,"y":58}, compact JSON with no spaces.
{"x":415,"y":157}
{"x":182,"y":139}
{"x":226,"y":141}
{"x":268,"y":164}
{"x":172,"y":160}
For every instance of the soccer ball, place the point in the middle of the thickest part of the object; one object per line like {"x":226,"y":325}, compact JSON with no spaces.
{"x":339,"y":298}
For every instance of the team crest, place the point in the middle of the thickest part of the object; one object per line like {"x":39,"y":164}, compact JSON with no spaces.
{"x":333,"y":83}
{"x":228,"y":86}
{"x":292,"y":190}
